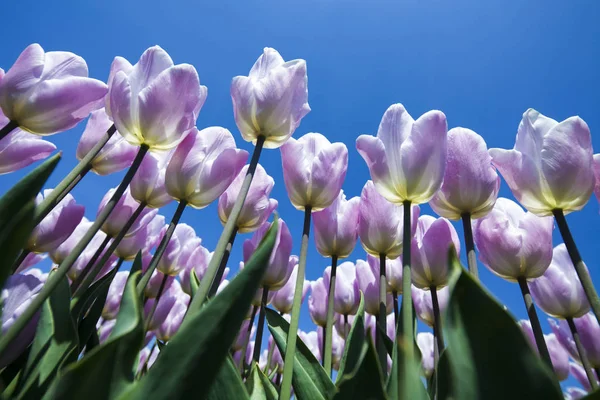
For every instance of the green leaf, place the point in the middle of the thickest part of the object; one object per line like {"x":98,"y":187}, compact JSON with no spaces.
{"x":55,"y":344}
{"x":592,"y":396}
{"x":80,"y":304}
{"x":310,"y":381}
{"x":259,"y":386}
{"x":107,"y":370}
{"x":87,"y":326}
{"x":489,"y":356}
{"x":228,"y":385}
{"x":366,"y":381}
{"x":137,"y":263}
{"x":354,"y":345}
{"x":192,"y":360}
{"x":17,"y":208}
{"x":194,"y":282}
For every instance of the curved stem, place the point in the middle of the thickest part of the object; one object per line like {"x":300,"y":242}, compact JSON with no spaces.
{"x":582,"y":356}
{"x":470,"y":244}
{"x":160,"y":250}
{"x":76,"y":174}
{"x":55,"y":278}
{"x":246,"y":341}
{"x":86,"y":270}
{"x":161,"y":289}
{"x":8,"y":128}
{"x":290,"y":351}
{"x":217,"y":281}
{"x":381,"y":318}
{"x":408,"y":331}
{"x":230,"y":226}
{"x":261,"y":324}
{"x":395,"y":298}
{"x":328,"y":332}
{"x":20,"y":260}
{"x":535,"y":323}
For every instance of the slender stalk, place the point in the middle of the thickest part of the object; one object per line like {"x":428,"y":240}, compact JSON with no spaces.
{"x":20,"y":260}
{"x":381,"y":318}
{"x":223,"y":265}
{"x":290,"y":351}
{"x":346,"y":327}
{"x":408,"y":331}
{"x":471,"y":256}
{"x":261,"y":324}
{"x":395,"y":297}
{"x":271,"y":347}
{"x":89,"y":278}
{"x":328,"y":331}
{"x":8,"y":128}
{"x":535,"y":323}
{"x":160,"y":250}
{"x":161,"y":289}
{"x":88,"y":267}
{"x":55,"y":278}
{"x":582,"y":356}
{"x":437,"y":324}
{"x":230,"y":226}
{"x":582,"y":272}
{"x":69,"y":181}
{"x":246,"y":341}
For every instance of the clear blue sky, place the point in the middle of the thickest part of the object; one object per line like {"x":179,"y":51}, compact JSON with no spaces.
{"x":482,"y":63}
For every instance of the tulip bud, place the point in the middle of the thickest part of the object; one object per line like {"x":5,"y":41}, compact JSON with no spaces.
{"x":424,"y":304}
{"x":393,"y":272}
{"x":153,"y":286}
{"x":154,"y":102}
{"x":343,"y":324}
{"x":258,"y":206}
{"x":430,"y":247}
{"x":166,"y":303}
{"x":249,"y":353}
{"x":144,"y":239}
{"x":470,"y":183}
{"x":172,"y":322}
{"x":203,"y":166}
{"x":198,"y":262}
{"x":579,"y":374}
{"x":280,"y":264}
{"x":558,"y":355}
{"x":381,"y":223}
{"x":85,"y":257}
{"x":407,"y":158}
{"x":513,"y":243}
{"x":58,"y":254}
{"x":179,"y":249}
{"x":347,"y":293}
{"x":558,"y":291}
{"x":550,"y":166}
{"x":589,"y":332}
{"x":148,"y":183}
{"x":115,"y":293}
{"x":337,"y":347}
{"x":115,"y":155}
{"x":271,"y":100}
{"x":123,"y":210}
{"x":46,"y":93}
{"x":368,"y":282}
{"x":240,"y":339}
{"x":425,"y":341}
{"x":317,"y":302}
{"x":336,"y":227}
{"x":105,"y":329}
{"x":283,"y":299}
{"x":57,"y":226}
{"x":313,"y":170}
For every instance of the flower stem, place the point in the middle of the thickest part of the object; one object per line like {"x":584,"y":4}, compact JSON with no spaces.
{"x":246,"y":341}
{"x":582,"y":273}
{"x":408,"y":331}
{"x":471,"y":256}
{"x":271,"y":347}
{"x":20,"y":260}
{"x":88,"y":267}
{"x":437,"y":324}
{"x":395,"y":297}
{"x":230,"y":226}
{"x":76,"y":174}
{"x":381,"y":317}
{"x":161,"y":289}
{"x":582,"y":356}
{"x":160,"y":250}
{"x":328,"y":332}
{"x":223,"y":265}
{"x":8,"y":128}
{"x":535,"y":323}
{"x":55,"y":278}
{"x":261,"y":324}
{"x":290,"y":350}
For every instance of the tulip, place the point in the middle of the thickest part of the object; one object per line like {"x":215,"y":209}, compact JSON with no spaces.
{"x":29,"y":261}
{"x":283,"y":298}
{"x":424,"y":306}
{"x":272,"y":100}
{"x":147,"y":358}
{"x":550,"y":166}
{"x":336,"y":227}
{"x":311,"y":340}
{"x":241,"y":338}
{"x":203,"y":166}
{"x":580,"y":375}
{"x":512,"y":243}
{"x":257,"y":207}
{"x":116,"y":154}
{"x":347,"y":293}
{"x":156,"y":280}
{"x":58,"y":254}
{"x":430,"y":249}
{"x":470,"y":184}
{"x":148,"y":184}
{"x":337,"y":347}
{"x":247,"y":355}
{"x":368,"y":283}
{"x":380,"y":223}
{"x":197,"y":262}
{"x":105,"y":329}
{"x":589,"y":332}
{"x":597,"y":175}
{"x":46,"y":93}
{"x":155,"y":102}
{"x":407,"y":158}
{"x":425,"y":341}
{"x":313,"y":170}
{"x":179,"y":250}
{"x":167,"y":301}
{"x":144,"y":239}
{"x":393,"y":272}
{"x":558,"y":354}
{"x":115,"y":293}
{"x":574,"y":393}
{"x":173,"y":321}
{"x":317,"y":302}
{"x":89,"y":252}
{"x":558,"y":291}
{"x":57,"y":226}
{"x":343,"y":323}
{"x":124,"y":209}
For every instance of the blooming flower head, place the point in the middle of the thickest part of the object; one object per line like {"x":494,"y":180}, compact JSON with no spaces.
{"x":347,"y":292}
{"x":148,"y":183}
{"x":336,"y":227}
{"x":368,"y":283}
{"x":317,"y":301}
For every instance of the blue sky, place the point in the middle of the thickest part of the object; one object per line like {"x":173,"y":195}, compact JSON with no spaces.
{"x":482,"y":63}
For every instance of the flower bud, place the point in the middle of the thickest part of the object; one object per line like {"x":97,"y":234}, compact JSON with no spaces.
{"x":144,"y":239}
{"x":123,"y":210}
{"x":393,"y":272}
{"x":317,"y":302}
{"x":198,"y":262}
{"x":172,"y":322}
{"x":425,"y":341}
{"x":115,"y":293}
{"x":423,"y":303}
{"x":148,"y":183}
{"x":283,"y":299}
{"x":368,"y":282}
{"x":336,"y":227}
{"x":179,"y":250}
{"x":347,"y":294}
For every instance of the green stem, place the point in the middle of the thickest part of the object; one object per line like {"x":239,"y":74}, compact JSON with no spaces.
{"x":437,"y":324}
{"x":55,"y":278}
{"x":381,"y":318}
{"x":535,"y":323}
{"x":20,"y":260}
{"x":261,"y":324}
{"x":230,"y":226}
{"x":69,"y":181}
{"x":408,"y":331}
{"x":328,"y":332}
{"x":8,"y":128}
{"x":88,"y":267}
{"x":160,"y":250}
{"x":161,"y":289}
{"x":470,"y":244}
{"x":243,"y":368}
{"x":582,"y":356}
{"x":290,"y":351}
{"x":217,"y":281}
{"x":395,"y":298}
{"x":271,"y":347}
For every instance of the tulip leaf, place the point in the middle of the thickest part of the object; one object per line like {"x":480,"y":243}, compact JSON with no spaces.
{"x":87,"y":326}
{"x":353,"y":348}
{"x":137,"y":263}
{"x":17,"y":208}
{"x":81,"y":303}
{"x":489,"y":356}
{"x":310,"y":381}
{"x":259,"y":386}
{"x":228,"y":384}
{"x":194,"y":282}
{"x":55,"y":344}
{"x":193,"y":358}
{"x":107,"y":370}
